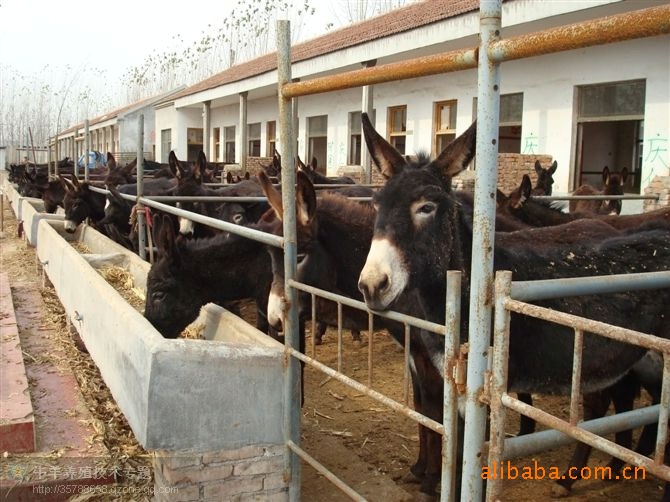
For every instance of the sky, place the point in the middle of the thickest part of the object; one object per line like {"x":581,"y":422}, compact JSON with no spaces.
{"x":115,"y":35}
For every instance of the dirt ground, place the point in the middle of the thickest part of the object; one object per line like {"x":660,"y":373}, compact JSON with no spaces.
{"x":361,"y":441}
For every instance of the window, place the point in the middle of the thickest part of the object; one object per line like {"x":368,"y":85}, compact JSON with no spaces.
{"x":271,"y":138}
{"x":317,"y":141}
{"x":610,"y":123}
{"x":354,"y":158}
{"x":166,"y":144}
{"x":229,"y":144}
{"x":509,"y":130}
{"x":397,"y":127}
{"x":217,"y":144}
{"x":444,"y":121}
{"x":194,"y":142}
{"x":254,"y":138}
{"x":511,"y":112}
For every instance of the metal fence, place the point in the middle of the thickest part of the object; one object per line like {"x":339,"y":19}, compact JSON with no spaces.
{"x":487,"y":57}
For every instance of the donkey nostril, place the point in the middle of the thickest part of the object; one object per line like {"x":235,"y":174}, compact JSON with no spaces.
{"x":384,"y":284}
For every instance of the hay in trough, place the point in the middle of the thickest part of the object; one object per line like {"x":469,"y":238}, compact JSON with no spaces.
{"x":121,"y":280}
{"x":80,"y":247}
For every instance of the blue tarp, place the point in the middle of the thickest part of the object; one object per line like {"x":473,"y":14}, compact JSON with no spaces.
{"x":95,"y":159}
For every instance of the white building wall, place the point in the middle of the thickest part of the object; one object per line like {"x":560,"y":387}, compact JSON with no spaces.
{"x":548,"y":84}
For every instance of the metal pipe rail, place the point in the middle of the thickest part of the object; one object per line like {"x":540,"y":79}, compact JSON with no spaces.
{"x":618,"y":28}
{"x":595,"y":197}
{"x":576,"y":286}
{"x":249,"y":233}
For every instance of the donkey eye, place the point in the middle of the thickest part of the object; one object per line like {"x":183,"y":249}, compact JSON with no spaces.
{"x":427,"y":208}
{"x":158,"y":296}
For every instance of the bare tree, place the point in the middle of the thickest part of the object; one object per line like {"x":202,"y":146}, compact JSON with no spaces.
{"x":246,"y":33}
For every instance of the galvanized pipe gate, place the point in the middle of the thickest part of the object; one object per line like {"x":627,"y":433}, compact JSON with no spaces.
{"x":487,"y":58}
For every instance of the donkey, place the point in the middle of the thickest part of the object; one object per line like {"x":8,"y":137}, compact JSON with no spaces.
{"x":319,"y":179}
{"x":612,"y":185}
{"x":420,"y":232}
{"x":189,"y":183}
{"x":80,"y":203}
{"x":188,"y":273}
{"x":520,"y":205}
{"x":334,"y":233}
{"x":545,"y":178}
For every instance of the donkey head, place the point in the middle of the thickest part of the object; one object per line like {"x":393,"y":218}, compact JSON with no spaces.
{"x":415,"y":212}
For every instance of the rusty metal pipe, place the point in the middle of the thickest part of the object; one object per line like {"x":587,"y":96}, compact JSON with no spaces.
{"x":602,"y":444}
{"x":319,"y":467}
{"x":624,"y":335}
{"x":364,"y":389}
{"x":617,"y":28}
{"x":463,"y":59}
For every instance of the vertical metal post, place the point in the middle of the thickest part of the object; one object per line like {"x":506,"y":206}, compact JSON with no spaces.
{"x":207,"y":129}
{"x":287,"y":141}
{"x":575,"y":393}
{"x":141,"y":222}
{"x":450,"y":404}
{"x":87,"y":147}
{"x":482,"y":241}
{"x":499,"y":370}
{"x":49,"y":170}
{"x":244,"y":144}
{"x":662,"y":434}
{"x":367,"y":106}
{"x":56,"y":154}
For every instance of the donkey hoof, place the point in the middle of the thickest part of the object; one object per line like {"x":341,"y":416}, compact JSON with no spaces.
{"x":410,"y":478}
{"x":559,"y":491}
{"x":318,"y":341}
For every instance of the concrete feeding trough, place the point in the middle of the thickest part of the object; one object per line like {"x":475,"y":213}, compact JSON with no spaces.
{"x":222,"y":392}
{"x":30,"y":211}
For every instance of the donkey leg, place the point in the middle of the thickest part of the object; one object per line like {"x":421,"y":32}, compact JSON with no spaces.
{"x":623,"y":397}
{"x":526,"y":424}
{"x":319,"y":332}
{"x":595,"y":406}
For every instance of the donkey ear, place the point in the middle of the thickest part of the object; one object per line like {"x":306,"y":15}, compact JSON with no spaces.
{"x":606,"y":175}
{"x":301,"y":166}
{"x":305,"y":200}
{"x":314,"y":164}
{"x":524,"y":192}
{"x":200,"y":166}
{"x":67,"y":185}
{"x":247,"y":175}
{"x":538,"y":167}
{"x":388,"y":160}
{"x":175,"y":166}
{"x":458,"y":154}
{"x":624,"y":175}
{"x":501,"y":198}
{"x":273,"y":195}
{"x":229,"y":178}
{"x":75,"y":182}
{"x":553,"y":167}
{"x":111,"y":161}
{"x":168,"y":240}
